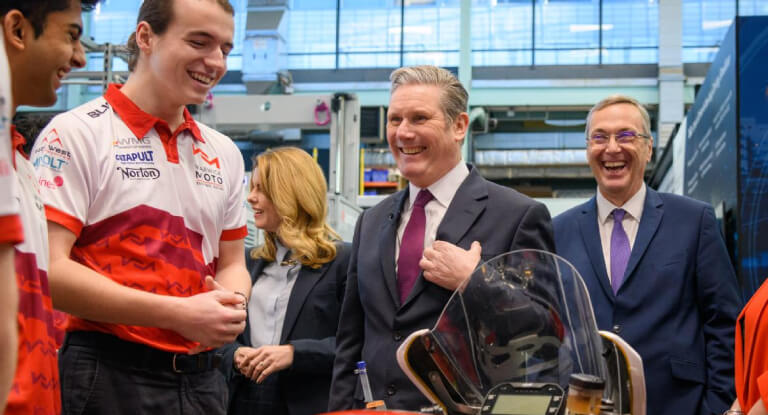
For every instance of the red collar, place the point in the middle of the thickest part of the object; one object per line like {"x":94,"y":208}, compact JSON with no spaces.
{"x":139,"y":122}
{"x":17,"y":143}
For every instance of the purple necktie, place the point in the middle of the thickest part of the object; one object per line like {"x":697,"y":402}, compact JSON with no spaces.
{"x":619,"y":250}
{"x":412,"y":246}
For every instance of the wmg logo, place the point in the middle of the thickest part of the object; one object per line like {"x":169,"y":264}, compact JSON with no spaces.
{"x":141,"y":173}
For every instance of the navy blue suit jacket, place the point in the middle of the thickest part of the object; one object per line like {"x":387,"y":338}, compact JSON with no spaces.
{"x":311,"y":319}
{"x":677,"y":305}
{"x":374,"y":323}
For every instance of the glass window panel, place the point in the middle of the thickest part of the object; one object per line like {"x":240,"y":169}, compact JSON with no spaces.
{"x":567,"y":57}
{"x":630,"y":23}
{"x":500,"y":58}
{"x":369,"y":60}
{"x":705,"y":23}
{"x":444,"y":59}
{"x":371,"y":28}
{"x":319,"y":61}
{"x":566,"y":24}
{"x":753,"y":7}
{"x":432,"y":27}
{"x":702,"y":54}
{"x":630,"y":55}
{"x":311,"y":30}
{"x":501,"y":32}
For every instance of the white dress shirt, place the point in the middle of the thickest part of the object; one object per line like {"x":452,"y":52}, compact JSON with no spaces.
{"x":269,"y":298}
{"x":443,"y":191}
{"x":630,"y":223}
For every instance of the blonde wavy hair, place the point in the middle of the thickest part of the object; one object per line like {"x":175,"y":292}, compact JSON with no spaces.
{"x":295,"y":185}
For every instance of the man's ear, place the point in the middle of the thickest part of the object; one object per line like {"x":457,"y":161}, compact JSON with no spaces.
{"x":144,"y":37}
{"x":460,"y":126}
{"x":17,"y":30}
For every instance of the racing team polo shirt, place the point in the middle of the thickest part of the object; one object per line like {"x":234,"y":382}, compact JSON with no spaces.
{"x":148,"y":206}
{"x":35,"y":388}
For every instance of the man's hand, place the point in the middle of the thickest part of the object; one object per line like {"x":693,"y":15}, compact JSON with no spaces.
{"x":257,"y":364}
{"x":447,"y":265}
{"x":213,"y":318}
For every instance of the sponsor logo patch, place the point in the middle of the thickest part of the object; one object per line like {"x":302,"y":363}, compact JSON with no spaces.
{"x":51,"y":184}
{"x":51,"y":162}
{"x":96,"y":113}
{"x":131,"y":142}
{"x":208,"y":177}
{"x":140,"y":173}
{"x":204,"y":156}
{"x":136,"y":157}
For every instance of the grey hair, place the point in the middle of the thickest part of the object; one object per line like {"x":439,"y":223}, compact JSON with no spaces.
{"x":454,"y":96}
{"x":621,"y":99}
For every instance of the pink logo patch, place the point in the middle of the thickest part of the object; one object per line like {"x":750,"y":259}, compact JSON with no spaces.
{"x":59,"y":181}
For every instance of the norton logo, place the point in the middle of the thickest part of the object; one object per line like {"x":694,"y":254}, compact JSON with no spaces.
{"x":141,"y":173}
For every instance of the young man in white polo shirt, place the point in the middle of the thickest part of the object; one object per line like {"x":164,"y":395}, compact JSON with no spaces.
{"x":144,"y":207}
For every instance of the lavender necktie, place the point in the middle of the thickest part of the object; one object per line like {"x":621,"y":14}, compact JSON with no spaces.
{"x":619,"y":250}
{"x":412,"y":246}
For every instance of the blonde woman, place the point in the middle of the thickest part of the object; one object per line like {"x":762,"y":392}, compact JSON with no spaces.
{"x":282,"y":362}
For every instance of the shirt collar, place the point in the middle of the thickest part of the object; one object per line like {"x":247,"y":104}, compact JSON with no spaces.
{"x":444,"y":189}
{"x":633,"y":206}
{"x":140,"y":122}
{"x":17,"y":143}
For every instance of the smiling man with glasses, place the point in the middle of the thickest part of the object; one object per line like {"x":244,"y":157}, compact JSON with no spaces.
{"x":656,"y":267}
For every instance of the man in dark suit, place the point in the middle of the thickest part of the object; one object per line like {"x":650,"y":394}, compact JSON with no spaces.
{"x":656,"y":268}
{"x":449,"y":211}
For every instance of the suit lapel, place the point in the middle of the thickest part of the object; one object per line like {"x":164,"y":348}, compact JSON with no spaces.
{"x":305,"y":281}
{"x":590,"y":234}
{"x":387,"y":241}
{"x":652,"y":213}
{"x":467,"y":205}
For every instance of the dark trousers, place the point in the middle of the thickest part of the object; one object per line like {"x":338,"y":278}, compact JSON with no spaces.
{"x":101,"y":374}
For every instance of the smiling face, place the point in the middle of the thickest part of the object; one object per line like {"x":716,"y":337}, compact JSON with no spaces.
{"x":424,"y":143}
{"x":40,"y":62}
{"x":618,"y":168}
{"x":265,"y":214}
{"x":189,"y":58}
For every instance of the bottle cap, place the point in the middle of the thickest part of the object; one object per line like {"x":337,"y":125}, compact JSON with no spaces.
{"x":361,"y":365}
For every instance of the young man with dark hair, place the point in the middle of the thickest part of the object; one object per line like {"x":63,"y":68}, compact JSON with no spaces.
{"x":146,"y":208}
{"x":41,"y":40}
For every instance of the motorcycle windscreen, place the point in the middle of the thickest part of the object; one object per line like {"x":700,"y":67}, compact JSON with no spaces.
{"x":524,"y":316}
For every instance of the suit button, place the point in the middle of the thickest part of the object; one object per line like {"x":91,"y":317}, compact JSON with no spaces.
{"x":391,"y":390}
{"x":397,"y":336}
{"x":616,"y":328}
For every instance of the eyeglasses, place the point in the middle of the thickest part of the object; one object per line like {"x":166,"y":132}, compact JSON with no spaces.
{"x":623,"y":137}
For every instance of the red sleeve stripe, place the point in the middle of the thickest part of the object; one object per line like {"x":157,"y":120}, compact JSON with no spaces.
{"x":11,"y":230}
{"x":64,"y":219}
{"x":234,"y":234}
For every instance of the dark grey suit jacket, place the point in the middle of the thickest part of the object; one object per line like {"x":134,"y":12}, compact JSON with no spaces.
{"x":374,"y":323}
{"x":310,"y":326}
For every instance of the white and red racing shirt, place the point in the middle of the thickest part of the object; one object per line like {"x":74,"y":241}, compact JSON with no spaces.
{"x":148,"y":205}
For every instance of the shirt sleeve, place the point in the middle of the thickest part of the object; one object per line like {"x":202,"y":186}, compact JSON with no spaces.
{"x":10,"y":221}
{"x":234,"y":217}
{"x":62,"y":168}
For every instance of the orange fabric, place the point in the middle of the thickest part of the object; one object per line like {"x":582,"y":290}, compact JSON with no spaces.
{"x":140,"y":122}
{"x":751,"y":364}
{"x":64,"y":219}
{"x":35,"y":388}
{"x":17,"y":143}
{"x":234,"y":234}
{"x":11,"y":229}
{"x":149,"y":250}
